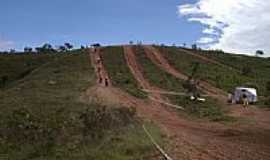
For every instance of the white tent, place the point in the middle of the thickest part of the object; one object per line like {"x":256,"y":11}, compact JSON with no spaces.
{"x":241,"y":92}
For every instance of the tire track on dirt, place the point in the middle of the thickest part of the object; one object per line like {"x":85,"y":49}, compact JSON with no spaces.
{"x":157,"y":58}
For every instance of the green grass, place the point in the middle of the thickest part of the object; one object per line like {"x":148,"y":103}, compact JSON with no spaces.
{"x":119,"y":72}
{"x":211,"y":109}
{"x":156,"y":75}
{"x":42,"y":117}
{"x":16,"y":67}
{"x":218,"y":76}
{"x":259,"y":67}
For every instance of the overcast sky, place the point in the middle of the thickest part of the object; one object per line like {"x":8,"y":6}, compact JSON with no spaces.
{"x":240,"y":26}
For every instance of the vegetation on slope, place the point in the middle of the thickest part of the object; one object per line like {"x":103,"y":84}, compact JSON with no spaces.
{"x":256,"y":68}
{"x":156,"y":75}
{"x":15,"y":67}
{"x":219,"y":76}
{"x":119,"y":72}
{"x":211,"y":109}
{"x":43,"y":118}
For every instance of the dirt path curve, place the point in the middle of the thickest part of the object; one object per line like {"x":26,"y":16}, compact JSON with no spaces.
{"x":207,"y":59}
{"x":101,"y":73}
{"x":157,"y":58}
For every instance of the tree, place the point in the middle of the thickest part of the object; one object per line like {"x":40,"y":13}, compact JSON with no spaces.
{"x":46,"y":48}
{"x":96,"y":45}
{"x":184,"y":45}
{"x":194,"y":46}
{"x":62,"y":49}
{"x":12,"y":51}
{"x":259,"y":53}
{"x":131,"y":42}
{"x":28,"y":49}
{"x":68,"y":46}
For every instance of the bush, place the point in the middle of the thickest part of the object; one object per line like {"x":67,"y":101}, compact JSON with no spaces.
{"x":43,"y":135}
{"x":268,"y":87}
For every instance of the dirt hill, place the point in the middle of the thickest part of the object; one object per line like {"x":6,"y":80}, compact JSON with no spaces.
{"x":145,"y":85}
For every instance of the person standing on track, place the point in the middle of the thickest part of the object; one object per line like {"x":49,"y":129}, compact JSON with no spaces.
{"x":245,"y":101}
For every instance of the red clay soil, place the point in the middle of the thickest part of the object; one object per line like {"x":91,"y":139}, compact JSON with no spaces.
{"x":135,"y":69}
{"x":101,"y":73}
{"x":157,"y":58}
{"x":191,"y":139}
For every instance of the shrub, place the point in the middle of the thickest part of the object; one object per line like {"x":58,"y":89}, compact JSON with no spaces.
{"x":268,"y":87}
{"x":42,"y":135}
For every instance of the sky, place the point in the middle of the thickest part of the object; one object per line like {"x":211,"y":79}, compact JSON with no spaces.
{"x":240,"y":26}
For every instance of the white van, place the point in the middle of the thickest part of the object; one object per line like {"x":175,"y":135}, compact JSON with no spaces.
{"x":240,"y":92}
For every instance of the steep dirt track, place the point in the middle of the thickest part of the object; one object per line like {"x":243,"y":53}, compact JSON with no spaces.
{"x":101,"y":73}
{"x":135,"y":69}
{"x":191,"y":140}
{"x":157,"y":58}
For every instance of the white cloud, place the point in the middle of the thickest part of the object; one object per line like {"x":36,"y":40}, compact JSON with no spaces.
{"x":241,"y":26}
{"x":210,"y":31}
{"x":206,"y":40}
{"x":6,"y":45}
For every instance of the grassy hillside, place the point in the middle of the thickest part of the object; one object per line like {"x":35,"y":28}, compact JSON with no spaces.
{"x":119,"y":72}
{"x":211,"y":109}
{"x":156,"y":75}
{"x":219,"y":76}
{"x":256,"y":68}
{"x":19,"y":66}
{"x":42,"y":117}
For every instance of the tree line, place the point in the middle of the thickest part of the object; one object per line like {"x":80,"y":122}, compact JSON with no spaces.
{"x":48,"y":48}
